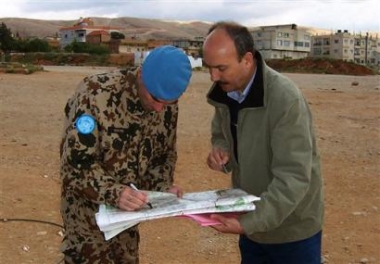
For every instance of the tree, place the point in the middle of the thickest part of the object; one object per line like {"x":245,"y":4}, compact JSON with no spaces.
{"x":37,"y":45}
{"x":117,"y":35}
{"x":7,"y":42}
{"x":83,"y":47}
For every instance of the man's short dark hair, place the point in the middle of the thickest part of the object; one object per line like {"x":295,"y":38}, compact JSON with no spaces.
{"x":239,"y":34}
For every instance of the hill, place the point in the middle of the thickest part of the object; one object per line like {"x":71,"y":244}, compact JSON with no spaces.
{"x":320,"y":66}
{"x":129,"y":26}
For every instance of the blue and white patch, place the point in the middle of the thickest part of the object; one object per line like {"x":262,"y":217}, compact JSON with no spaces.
{"x":85,"y":124}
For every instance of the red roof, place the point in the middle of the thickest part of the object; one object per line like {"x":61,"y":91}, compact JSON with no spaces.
{"x":89,"y":27}
{"x":98,"y":32}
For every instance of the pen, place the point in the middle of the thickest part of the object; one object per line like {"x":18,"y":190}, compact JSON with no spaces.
{"x":135,"y":188}
{"x":224,"y":168}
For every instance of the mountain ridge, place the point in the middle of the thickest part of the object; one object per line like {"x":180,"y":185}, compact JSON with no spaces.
{"x":140,"y":28}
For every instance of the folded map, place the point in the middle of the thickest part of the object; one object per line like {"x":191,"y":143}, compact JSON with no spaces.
{"x":112,"y":221}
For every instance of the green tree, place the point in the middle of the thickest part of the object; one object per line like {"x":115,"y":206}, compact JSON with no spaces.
{"x":7,"y":42}
{"x":117,"y":35}
{"x":36,"y":45}
{"x":83,"y":47}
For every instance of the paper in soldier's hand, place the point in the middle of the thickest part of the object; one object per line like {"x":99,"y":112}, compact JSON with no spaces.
{"x":113,"y":221}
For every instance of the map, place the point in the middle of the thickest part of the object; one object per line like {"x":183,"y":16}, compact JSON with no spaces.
{"x":196,"y":205}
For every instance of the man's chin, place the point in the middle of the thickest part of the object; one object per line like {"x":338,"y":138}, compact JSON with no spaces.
{"x":226,"y":87}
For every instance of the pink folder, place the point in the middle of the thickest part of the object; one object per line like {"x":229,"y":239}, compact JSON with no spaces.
{"x":205,"y":220}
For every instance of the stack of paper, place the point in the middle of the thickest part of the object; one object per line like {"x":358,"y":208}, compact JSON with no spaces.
{"x":112,"y":221}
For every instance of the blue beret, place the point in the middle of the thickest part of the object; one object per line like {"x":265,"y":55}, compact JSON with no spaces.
{"x":166,"y":72}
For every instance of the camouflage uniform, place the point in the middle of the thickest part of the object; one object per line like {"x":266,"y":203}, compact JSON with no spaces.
{"x":128,"y":145}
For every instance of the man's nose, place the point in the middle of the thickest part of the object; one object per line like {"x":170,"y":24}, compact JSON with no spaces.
{"x":214,"y":75}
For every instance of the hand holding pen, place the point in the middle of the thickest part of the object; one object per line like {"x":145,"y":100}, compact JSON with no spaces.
{"x":135,"y":188}
{"x":132,"y":199}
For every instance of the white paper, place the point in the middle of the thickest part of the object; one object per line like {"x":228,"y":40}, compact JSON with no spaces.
{"x":112,"y":221}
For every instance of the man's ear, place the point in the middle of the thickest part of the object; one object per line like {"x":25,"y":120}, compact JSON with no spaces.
{"x":248,"y":57}
{"x":139,"y":72}
{"x":139,"y":76}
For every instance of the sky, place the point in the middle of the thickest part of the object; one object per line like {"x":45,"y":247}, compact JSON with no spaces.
{"x":352,"y":15}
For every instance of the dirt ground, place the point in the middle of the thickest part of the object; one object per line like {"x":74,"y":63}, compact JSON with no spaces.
{"x":347,"y":120}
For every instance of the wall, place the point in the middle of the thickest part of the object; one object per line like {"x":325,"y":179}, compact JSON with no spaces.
{"x":141,"y":55}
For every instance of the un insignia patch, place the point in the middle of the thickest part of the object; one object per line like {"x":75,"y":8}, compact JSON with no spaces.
{"x":85,"y":124}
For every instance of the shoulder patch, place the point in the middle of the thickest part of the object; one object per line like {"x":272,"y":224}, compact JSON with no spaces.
{"x":85,"y":124}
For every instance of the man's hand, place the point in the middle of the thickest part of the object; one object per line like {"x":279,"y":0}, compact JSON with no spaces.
{"x":217,"y":159}
{"x":229,"y":224}
{"x":131,"y":200}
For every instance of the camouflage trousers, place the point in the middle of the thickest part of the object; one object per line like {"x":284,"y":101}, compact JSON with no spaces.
{"x":121,"y":249}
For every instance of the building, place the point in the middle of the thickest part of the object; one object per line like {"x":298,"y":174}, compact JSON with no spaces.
{"x":85,"y":30}
{"x":282,"y":41}
{"x":358,"y":48}
{"x":191,"y":47}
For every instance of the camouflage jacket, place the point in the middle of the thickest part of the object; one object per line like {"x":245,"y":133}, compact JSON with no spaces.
{"x":127,"y":145}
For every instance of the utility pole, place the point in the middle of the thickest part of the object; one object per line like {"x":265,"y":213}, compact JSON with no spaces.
{"x":366,"y":48}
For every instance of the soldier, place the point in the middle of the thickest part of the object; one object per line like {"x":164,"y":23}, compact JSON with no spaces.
{"x":120,"y":128}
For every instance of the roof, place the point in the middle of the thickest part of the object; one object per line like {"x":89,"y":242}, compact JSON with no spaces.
{"x":98,"y":32}
{"x":88,"y":27}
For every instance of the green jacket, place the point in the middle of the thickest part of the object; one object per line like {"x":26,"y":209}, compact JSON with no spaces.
{"x":277,"y":157}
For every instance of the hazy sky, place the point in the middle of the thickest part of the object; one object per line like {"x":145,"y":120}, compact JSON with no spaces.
{"x":353,"y":15}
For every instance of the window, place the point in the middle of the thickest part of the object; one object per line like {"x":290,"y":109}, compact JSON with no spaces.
{"x":258,"y":43}
{"x":279,"y":34}
{"x":307,"y":37}
{"x":279,"y":42}
{"x":286,"y":35}
{"x":298,"y":44}
{"x":307,"y":44}
{"x":336,"y":41}
{"x":317,"y":51}
{"x":286,"y":43}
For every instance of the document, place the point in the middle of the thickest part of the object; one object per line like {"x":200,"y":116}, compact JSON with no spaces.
{"x":196,"y":205}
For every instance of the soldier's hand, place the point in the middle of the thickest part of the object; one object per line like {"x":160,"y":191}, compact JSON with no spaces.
{"x":175,"y":189}
{"x":131,"y":200}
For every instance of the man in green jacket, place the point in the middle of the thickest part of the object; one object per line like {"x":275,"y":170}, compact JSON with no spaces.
{"x":262,"y":131}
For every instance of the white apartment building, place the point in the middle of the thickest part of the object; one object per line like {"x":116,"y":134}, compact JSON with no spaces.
{"x":282,"y":41}
{"x":358,"y":48}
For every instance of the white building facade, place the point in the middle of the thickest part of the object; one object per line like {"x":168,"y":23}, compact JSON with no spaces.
{"x":282,"y":41}
{"x":358,"y":48}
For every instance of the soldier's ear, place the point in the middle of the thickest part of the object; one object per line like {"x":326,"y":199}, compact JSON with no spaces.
{"x":139,"y":77}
